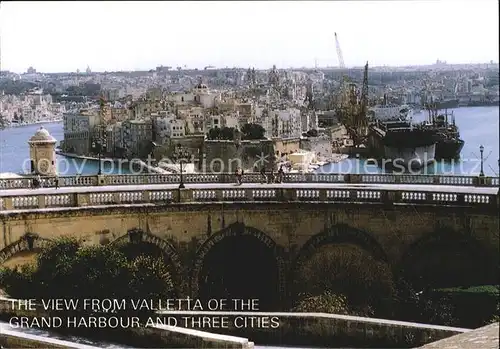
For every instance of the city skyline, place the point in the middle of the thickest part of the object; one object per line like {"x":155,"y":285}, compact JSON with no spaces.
{"x":112,"y":36}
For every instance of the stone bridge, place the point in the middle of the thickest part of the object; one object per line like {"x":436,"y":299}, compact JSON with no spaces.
{"x":281,"y":224}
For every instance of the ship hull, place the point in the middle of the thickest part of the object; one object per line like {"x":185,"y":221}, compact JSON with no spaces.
{"x":449,"y":149}
{"x":410,"y":158}
{"x":448,"y":104}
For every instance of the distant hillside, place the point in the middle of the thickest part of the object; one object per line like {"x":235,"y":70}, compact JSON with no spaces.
{"x":16,"y":87}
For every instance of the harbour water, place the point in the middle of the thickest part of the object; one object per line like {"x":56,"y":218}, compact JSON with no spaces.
{"x":14,"y":152}
{"x":478,"y":126}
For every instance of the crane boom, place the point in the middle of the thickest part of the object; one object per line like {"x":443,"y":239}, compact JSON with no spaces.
{"x":339,"y":53}
{"x":340,"y":99}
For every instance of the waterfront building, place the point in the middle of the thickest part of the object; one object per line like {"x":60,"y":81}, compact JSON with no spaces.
{"x":114,"y":140}
{"x":78,"y":131}
{"x":137,"y":137}
{"x":56,"y":109}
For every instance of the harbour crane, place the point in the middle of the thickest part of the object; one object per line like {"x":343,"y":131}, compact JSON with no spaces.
{"x":353,"y":110}
{"x":340,"y":97}
{"x":339,"y":53}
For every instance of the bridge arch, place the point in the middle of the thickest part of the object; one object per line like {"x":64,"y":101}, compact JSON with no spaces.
{"x":338,"y":234}
{"x":446,"y":258}
{"x":264,"y":248}
{"x":316,"y":269}
{"x":137,"y":236}
{"x":29,"y":242}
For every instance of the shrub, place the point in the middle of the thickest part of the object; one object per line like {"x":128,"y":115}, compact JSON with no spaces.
{"x":350,"y":271}
{"x":65,"y":269}
{"x":326,"y":302}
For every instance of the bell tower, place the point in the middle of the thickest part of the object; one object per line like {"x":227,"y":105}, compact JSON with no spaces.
{"x":43,"y":153}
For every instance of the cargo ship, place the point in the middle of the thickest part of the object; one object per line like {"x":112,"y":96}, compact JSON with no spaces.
{"x":404,"y":144}
{"x":449,"y":144}
{"x":388,"y":112}
{"x":447,"y":103}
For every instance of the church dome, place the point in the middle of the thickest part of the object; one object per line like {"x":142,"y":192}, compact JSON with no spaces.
{"x":42,"y":135}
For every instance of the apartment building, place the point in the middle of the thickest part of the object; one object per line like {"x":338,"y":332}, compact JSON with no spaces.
{"x":79,"y":130}
{"x":137,"y":137}
{"x":166,"y":126}
{"x":283,"y":124}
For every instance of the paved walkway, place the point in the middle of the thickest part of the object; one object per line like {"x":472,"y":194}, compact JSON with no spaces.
{"x":341,"y":186}
{"x":482,"y":338}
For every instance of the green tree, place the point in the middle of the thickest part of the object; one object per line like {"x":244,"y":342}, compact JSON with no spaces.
{"x":99,"y":272}
{"x":227,"y":133}
{"x":213,"y":133}
{"x":223,"y":133}
{"x":151,"y":278}
{"x":252,"y":132}
{"x":417,"y":306}
{"x":18,"y":280}
{"x":52,"y":265}
{"x":66,"y":269}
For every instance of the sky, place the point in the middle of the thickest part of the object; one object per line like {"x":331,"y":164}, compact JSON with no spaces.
{"x":111,"y":36}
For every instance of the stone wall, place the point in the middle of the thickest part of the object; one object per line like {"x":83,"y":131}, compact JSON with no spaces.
{"x":322,"y":146}
{"x":14,"y":339}
{"x":192,"y":143}
{"x":287,"y":146}
{"x":168,"y":336}
{"x":294,"y":329}
{"x":482,"y":338}
{"x":321,"y":329}
{"x":226,"y":156}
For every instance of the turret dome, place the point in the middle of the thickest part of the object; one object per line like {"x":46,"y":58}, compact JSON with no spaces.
{"x":42,"y":135}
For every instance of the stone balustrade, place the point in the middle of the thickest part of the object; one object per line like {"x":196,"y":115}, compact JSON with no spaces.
{"x":159,"y":195}
{"x":142,"y":179}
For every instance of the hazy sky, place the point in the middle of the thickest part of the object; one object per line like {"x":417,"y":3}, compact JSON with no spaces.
{"x":65,"y":36}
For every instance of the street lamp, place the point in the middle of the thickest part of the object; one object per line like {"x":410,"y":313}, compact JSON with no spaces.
{"x":481,"y":150}
{"x":180,"y":156}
